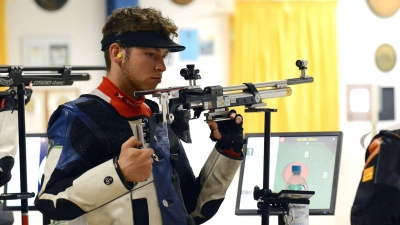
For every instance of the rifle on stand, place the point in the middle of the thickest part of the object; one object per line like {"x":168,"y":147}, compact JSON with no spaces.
{"x":178,"y":101}
{"x":194,"y":100}
{"x":17,"y":77}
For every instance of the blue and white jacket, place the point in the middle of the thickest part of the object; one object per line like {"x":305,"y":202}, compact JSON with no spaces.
{"x":82,"y":182}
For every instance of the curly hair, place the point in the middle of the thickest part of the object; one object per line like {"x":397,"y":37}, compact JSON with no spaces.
{"x":133,"y":19}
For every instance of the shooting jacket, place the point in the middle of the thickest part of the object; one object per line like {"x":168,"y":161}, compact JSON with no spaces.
{"x":82,"y":181}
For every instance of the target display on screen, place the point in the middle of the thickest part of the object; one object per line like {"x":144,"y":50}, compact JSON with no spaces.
{"x":318,"y":154}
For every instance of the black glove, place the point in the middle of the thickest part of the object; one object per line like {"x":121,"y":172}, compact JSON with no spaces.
{"x":8,"y":101}
{"x":232,"y":135}
{"x":6,"y":164}
{"x":28,"y":95}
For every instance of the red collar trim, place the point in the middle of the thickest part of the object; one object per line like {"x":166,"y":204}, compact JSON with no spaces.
{"x":125,"y":105}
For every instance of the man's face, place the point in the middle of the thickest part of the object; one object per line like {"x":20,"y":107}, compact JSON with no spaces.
{"x":143,"y":70}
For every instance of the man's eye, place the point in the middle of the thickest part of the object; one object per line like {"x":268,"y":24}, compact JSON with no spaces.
{"x":167,"y":59}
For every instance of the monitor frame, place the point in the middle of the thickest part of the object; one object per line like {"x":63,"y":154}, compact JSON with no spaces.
{"x":336,"y":169}
{"x":16,"y":169}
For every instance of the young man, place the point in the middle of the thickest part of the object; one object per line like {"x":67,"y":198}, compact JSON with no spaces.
{"x":97,"y":170}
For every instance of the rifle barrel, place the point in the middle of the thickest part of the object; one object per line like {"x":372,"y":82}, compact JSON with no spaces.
{"x":264,"y":94}
{"x":6,"y":69}
{"x":270,"y":84}
{"x":54,"y":68}
{"x":73,"y":76}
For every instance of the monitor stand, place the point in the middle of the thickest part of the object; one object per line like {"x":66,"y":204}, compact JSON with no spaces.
{"x":266,"y":200}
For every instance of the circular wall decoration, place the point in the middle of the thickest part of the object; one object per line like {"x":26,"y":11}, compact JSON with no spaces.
{"x":385,"y":57}
{"x":384,"y":8}
{"x":51,"y":5}
{"x":182,"y":2}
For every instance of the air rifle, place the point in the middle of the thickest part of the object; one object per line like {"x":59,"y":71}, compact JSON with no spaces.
{"x":215,"y":99}
{"x":10,"y":76}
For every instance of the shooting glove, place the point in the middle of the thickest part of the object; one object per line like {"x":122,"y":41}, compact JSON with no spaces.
{"x":231,"y":142}
{"x":8,"y":101}
{"x":6,"y":164}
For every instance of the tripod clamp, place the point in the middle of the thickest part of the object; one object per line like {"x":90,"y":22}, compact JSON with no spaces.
{"x":267,"y":200}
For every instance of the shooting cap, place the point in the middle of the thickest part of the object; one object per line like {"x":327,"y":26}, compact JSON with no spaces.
{"x":142,"y":38}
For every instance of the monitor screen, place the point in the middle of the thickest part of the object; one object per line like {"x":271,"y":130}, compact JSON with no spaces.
{"x":318,"y":154}
{"x":36,"y":150}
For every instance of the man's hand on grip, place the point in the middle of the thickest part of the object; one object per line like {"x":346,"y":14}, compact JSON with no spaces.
{"x":228,"y":134}
{"x":134,"y":162}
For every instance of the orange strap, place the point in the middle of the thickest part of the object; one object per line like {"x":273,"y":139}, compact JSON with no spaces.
{"x":374,"y":148}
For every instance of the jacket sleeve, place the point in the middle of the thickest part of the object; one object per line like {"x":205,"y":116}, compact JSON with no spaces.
{"x":204,"y":194}
{"x":76,"y":179}
{"x":215,"y":178}
{"x":8,"y":143}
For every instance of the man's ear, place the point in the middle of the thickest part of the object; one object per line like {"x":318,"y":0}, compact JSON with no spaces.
{"x":116,"y":54}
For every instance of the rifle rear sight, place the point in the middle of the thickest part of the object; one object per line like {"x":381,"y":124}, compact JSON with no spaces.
{"x":190,"y":73}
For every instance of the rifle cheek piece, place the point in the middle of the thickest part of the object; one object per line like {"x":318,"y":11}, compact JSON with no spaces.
{"x":180,"y":125}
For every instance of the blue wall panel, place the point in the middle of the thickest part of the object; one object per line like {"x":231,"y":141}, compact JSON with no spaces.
{"x":115,"y":4}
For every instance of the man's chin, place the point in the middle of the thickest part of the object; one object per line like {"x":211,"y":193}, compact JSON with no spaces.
{"x":148,"y":88}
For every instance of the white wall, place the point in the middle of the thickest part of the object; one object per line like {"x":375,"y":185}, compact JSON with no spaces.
{"x":360,"y":32}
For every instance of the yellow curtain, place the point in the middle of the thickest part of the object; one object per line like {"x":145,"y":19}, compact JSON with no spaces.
{"x":268,"y":38}
{"x":3,"y":43}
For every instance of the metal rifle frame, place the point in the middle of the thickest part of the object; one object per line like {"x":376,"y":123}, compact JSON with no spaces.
{"x":215,"y":99}
{"x":61,"y":76}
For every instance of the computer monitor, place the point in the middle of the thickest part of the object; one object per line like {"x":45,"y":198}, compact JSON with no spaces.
{"x":318,"y":153}
{"x":36,"y":150}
